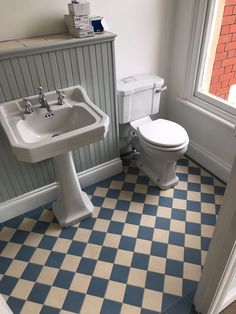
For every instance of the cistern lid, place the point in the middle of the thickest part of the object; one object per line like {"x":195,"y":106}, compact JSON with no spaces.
{"x":163,"y":133}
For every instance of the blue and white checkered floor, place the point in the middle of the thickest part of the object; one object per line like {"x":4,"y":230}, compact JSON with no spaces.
{"x":141,"y":252}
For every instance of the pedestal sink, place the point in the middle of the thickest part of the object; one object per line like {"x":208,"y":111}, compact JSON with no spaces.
{"x":38,"y":136}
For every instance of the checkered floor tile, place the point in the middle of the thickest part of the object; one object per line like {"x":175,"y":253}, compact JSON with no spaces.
{"x":141,"y":252}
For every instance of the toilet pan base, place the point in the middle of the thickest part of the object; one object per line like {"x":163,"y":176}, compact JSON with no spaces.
{"x":162,"y":174}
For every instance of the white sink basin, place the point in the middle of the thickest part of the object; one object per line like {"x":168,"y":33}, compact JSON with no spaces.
{"x":41,"y":135}
{"x":37,"y":136}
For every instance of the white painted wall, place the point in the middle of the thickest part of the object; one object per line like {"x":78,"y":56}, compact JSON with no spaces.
{"x":144,"y":28}
{"x":212,"y":143}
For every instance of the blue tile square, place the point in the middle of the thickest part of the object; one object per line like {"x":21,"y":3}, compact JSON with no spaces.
{"x":195,"y":187}
{"x":55,"y":259}
{"x":194,"y":170}
{"x":128,"y":187}
{"x":208,"y":219}
{"x":19,"y":236}
{"x":127,"y":243}
{"x":181,"y":194}
{"x":105,"y":213}
{"x":122,"y":205}
{"x":106,"y":183}
{"x":165,"y":201}
{"x":176,"y":238}
{"x":15,"y":304}
{"x":174,"y":268}
{"x":97,"y":287}
{"x":40,"y":227}
{"x":205,"y":243}
{"x":153,"y":190}
{"x":31,"y":272}
{"x":116,"y":227}
{"x":145,"y":311}
{"x":150,"y":210}
{"x":182,"y":176}
{"x":77,"y":248}
{"x":183,"y":162}
{"x":178,"y":214}
{"x":49,"y":310}
{"x":112,"y":193}
{"x":86,"y":266}
{"x":68,"y":233}
{"x":155,"y":281}
{"x":63,"y":279}
{"x":184,"y":306}
{"x":88,"y":223}
{"x":133,"y":218}
{"x":7,"y":284}
{"x":219,"y":190}
{"x":145,"y":233}
{"x":193,"y":228}
{"x":133,"y":170}
{"x":192,"y":256}
{"x":194,"y":206}
{"x":168,"y":300}
{"x":25,"y":253}
{"x":73,"y":301}
{"x":39,"y":293}
{"x":14,"y":222}
{"x":47,"y":242}
{"x":207,"y":198}
{"x":162,"y":223}
{"x":97,"y":200}
{"x":119,"y":177}
{"x":143,"y":180}
{"x":189,"y":288}
{"x":159,"y":249}
{"x":207,"y":180}
{"x":90,"y":189}
{"x":97,"y":237}
{"x":107,"y":254}
{"x":133,"y":295}
{"x":120,"y":273}
{"x":4,"y":264}
{"x":140,"y":261}
{"x":3,"y":244}
{"x":109,"y":307}
{"x":138,"y":197}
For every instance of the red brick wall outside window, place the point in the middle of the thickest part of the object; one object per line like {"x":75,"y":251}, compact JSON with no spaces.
{"x":224,"y":68}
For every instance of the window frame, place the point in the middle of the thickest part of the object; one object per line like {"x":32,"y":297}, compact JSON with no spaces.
{"x":202,"y":16}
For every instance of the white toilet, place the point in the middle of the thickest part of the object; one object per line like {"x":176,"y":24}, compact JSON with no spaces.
{"x":160,"y":142}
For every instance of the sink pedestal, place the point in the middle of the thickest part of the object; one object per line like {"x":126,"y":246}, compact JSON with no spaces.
{"x":72,"y":204}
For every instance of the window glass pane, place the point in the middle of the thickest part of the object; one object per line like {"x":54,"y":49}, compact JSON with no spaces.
{"x":219,"y":71}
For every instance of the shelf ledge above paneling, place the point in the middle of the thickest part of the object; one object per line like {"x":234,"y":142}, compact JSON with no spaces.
{"x":29,"y":46}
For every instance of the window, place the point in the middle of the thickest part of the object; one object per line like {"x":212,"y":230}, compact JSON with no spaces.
{"x":216,"y":77}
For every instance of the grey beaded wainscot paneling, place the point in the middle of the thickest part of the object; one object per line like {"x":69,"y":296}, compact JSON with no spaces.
{"x":89,"y":63}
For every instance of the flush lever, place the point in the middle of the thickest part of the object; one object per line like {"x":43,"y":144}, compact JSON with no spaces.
{"x":159,"y":90}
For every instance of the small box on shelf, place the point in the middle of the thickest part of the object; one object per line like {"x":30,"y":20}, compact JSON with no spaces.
{"x":81,"y":32}
{"x":79,"y":8}
{"x":77,"y":21}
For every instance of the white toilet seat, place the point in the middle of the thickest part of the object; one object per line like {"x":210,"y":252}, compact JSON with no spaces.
{"x":164,"y":134}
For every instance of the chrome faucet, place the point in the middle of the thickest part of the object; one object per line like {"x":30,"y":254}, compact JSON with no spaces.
{"x":28,"y":106}
{"x":60,"y":97}
{"x":43,"y":100}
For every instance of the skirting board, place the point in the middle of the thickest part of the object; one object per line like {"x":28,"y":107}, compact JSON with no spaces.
{"x":203,"y":157}
{"x":34,"y":199}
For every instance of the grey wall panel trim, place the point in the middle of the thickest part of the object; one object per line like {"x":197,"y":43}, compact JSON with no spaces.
{"x":91,"y":66}
{"x":65,"y":44}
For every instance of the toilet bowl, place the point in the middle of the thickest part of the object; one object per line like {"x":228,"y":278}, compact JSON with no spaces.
{"x":160,"y":142}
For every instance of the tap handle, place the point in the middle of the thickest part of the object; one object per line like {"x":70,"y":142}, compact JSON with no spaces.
{"x":27,"y":103}
{"x":60,"y":97}
{"x":159,"y":90}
